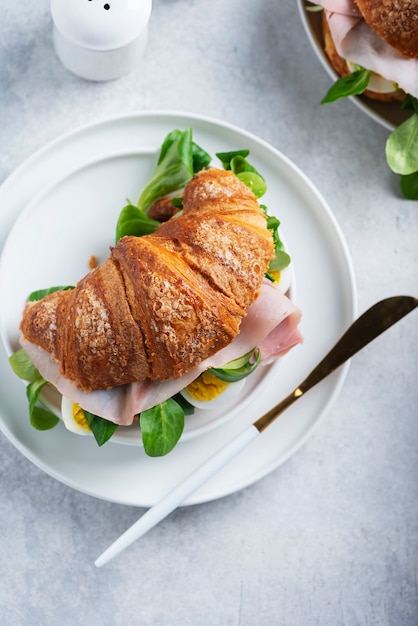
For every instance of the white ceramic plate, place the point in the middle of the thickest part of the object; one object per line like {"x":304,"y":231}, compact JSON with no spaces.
{"x":62,"y":227}
{"x":388,"y":115}
{"x":325,"y":292}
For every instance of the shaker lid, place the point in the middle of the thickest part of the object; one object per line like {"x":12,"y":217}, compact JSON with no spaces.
{"x":101,"y":24}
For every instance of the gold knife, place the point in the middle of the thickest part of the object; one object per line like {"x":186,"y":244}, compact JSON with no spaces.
{"x":367,"y":327}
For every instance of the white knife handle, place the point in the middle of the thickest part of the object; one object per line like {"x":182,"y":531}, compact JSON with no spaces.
{"x":179,"y":494}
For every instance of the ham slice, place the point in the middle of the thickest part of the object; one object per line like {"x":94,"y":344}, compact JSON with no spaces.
{"x":355,"y":41}
{"x":271,"y":324}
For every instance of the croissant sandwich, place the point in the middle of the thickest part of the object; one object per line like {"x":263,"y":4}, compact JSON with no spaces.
{"x":162,"y":303}
{"x":378,"y":35}
{"x":165,"y":307}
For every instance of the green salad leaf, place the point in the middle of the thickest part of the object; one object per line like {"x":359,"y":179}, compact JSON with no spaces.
{"x":133,"y":221}
{"x":281,"y":258}
{"x":188,"y":408}
{"x":41,"y":293}
{"x":402,"y":150}
{"x":40,"y":417}
{"x":226,"y":157}
{"x":402,"y":147}
{"x":161,"y":427}
{"x":23,"y":366}
{"x":179,"y":159}
{"x":239,"y":368}
{"x":409,"y":186}
{"x":101,"y":428}
{"x":236,"y":162}
{"x":201,"y":158}
{"x":353,"y":84}
{"x":410,"y":103}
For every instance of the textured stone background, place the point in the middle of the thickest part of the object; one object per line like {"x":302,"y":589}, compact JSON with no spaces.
{"x":330,"y":537}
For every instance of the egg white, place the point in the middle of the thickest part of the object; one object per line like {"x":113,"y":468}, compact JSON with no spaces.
{"x":68,"y":418}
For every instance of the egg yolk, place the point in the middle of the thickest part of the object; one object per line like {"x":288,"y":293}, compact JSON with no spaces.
{"x":79,"y":417}
{"x":206,"y":387}
{"x":276,"y":275}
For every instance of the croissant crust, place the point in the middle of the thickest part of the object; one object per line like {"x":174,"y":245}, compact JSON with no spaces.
{"x":161,"y":303}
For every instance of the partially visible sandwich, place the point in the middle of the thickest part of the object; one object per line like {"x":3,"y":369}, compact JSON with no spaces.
{"x":376,"y":35}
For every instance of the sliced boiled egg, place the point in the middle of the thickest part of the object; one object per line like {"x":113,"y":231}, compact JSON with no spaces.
{"x":73,"y":417}
{"x":208,"y":392}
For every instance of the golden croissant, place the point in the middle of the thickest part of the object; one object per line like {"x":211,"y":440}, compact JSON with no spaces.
{"x":161,"y":303}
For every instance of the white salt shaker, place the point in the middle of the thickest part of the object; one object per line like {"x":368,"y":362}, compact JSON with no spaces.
{"x":100,"y":40}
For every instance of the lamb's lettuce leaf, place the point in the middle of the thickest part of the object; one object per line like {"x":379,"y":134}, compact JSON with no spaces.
{"x":40,"y":416}
{"x":179,"y":159}
{"x":239,"y":368}
{"x":101,"y":428}
{"x":236,"y":161}
{"x":402,"y":147}
{"x":409,"y":186}
{"x":41,"y":293}
{"x":134,"y":221}
{"x":161,"y":427}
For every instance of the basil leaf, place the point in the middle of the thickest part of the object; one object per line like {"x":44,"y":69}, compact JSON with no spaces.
{"x":23,"y":366}
{"x":161,"y":427}
{"x":409,"y":186}
{"x":102,"y":429}
{"x":238,"y":369}
{"x":351,"y":85}
{"x":133,"y":221}
{"x":402,"y":147}
{"x":40,"y":418}
{"x":41,"y":293}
